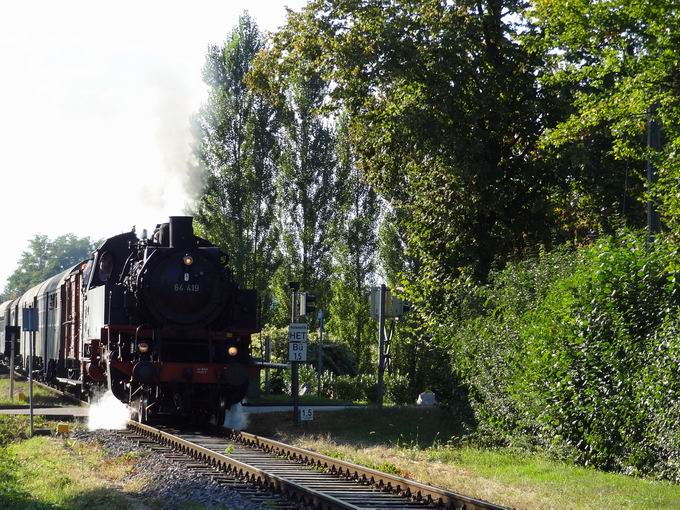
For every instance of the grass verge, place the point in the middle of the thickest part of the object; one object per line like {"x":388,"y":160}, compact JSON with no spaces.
{"x":49,"y":472}
{"x":41,"y":395}
{"x":44,"y":472}
{"x":423,"y":444}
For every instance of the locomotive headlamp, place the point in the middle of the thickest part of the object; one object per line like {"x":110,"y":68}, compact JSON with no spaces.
{"x":143,"y":347}
{"x":232,"y":351}
{"x":188,"y":260}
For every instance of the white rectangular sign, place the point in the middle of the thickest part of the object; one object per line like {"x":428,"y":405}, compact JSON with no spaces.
{"x":297,"y":332}
{"x":306,"y":413}
{"x":297,"y":351}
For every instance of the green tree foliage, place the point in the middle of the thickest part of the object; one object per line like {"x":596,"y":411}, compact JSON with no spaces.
{"x":617,"y":59}
{"x":45,"y":258}
{"x":306,"y":189}
{"x":236,"y":142}
{"x":354,"y":256}
{"x":307,"y":183}
{"x":443,"y":103}
{"x":579,"y":350}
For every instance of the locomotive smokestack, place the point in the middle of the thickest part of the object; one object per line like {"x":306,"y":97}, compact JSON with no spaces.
{"x":182,"y":232}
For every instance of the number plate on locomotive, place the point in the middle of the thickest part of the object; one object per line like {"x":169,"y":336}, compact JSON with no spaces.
{"x":189,"y":287}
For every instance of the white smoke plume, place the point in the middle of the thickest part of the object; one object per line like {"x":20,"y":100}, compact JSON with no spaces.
{"x":176,"y":185}
{"x":107,"y":412}
{"x":236,"y":418}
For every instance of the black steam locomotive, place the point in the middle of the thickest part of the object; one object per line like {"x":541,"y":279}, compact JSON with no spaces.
{"x":159,"y":321}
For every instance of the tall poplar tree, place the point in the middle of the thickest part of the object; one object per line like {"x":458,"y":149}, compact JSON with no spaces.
{"x":306,"y":183}
{"x":354,"y":254}
{"x":236,"y":133}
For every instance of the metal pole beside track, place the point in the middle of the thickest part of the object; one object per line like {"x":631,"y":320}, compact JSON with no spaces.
{"x":30,"y":379}
{"x":319,"y":358}
{"x":267,"y":359}
{"x":29,"y":324}
{"x":11,"y":365}
{"x":381,"y":346}
{"x":295,"y":374}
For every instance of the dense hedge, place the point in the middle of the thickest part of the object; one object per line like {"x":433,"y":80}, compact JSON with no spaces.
{"x":579,"y":350}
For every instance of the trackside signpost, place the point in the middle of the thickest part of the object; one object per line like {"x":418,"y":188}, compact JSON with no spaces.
{"x":297,"y":332}
{"x":297,"y":352}
{"x":302,"y":304}
{"x":297,"y":342}
{"x":30,"y":324}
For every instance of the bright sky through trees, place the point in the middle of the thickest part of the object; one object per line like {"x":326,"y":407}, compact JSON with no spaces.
{"x":95,"y":102}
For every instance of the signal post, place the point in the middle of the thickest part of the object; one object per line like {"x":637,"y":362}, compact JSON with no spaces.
{"x":385,"y":306}
{"x":302,"y":304}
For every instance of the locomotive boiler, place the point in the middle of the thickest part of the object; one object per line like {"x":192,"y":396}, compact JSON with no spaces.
{"x":160,"y":321}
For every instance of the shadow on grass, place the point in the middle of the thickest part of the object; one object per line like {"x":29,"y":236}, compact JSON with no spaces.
{"x":402,"y":426}
{"x":12,"y":499}
{"x":96,"y":499}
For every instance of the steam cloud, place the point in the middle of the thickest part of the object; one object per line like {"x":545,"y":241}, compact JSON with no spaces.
{"x":107,"y":412}
{"x":236,"y":418}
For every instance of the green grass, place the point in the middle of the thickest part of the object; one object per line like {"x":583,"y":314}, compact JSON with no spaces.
{"x":575,"y":486}
{"x":44,"y":473}
{"x":16,"y":427}
{"x":41,"y":395}
{"x":47,"y":472}
{"x":424,"y":444}
{"x":402,"y":426}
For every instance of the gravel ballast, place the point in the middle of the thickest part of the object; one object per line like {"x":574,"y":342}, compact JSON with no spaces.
{"x":166,"y":482}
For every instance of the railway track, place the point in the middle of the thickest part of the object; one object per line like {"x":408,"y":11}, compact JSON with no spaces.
{"x":300,"y":478}
{"x":285,"y":477}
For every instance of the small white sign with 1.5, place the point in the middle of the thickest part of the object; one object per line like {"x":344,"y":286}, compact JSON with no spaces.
{"x":306,"y":414}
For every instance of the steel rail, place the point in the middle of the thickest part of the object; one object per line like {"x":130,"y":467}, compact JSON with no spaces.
{"x":408,"y":488}
{"x":306,"y":496}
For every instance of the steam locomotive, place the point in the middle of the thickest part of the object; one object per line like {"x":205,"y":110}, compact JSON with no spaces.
{"x":159,"y":321}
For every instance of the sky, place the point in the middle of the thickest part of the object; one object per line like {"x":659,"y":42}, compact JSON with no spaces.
{"x":95,"y":106}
